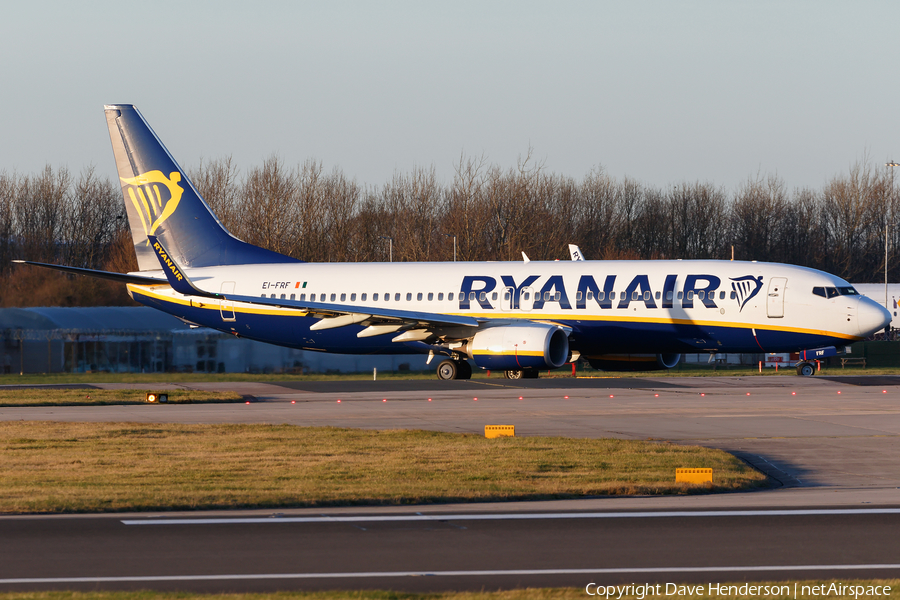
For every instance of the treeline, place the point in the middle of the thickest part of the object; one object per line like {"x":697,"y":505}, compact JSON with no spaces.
{"x":493,"y":213}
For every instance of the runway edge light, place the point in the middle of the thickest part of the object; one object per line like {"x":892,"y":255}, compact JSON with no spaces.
{"x":495,"y":431}
{"x":693,"y":475}
{"x":160,"y":397}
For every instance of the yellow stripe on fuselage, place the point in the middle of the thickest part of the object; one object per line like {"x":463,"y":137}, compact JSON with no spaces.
{"x":246,"y":308}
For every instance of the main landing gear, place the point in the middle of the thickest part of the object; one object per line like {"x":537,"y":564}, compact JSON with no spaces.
{"x":454,"y":369}
{"x":522,"y":374}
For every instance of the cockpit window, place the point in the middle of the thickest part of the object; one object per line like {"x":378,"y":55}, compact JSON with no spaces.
{"x":833,"y":292}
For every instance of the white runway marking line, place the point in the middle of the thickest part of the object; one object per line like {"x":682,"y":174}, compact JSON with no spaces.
{"x":515,"y":516}
{"x":485,"y":573}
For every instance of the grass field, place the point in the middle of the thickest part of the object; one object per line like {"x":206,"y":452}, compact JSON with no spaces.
{"x":50,"y":467}
{"x":521,"y":594}
{"x":44,"y":397}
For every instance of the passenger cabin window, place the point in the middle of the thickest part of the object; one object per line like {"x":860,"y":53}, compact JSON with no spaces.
{"x":283,"y":296}
{"x":601,"y":296}
{"x":363,"y":297}
{"x":450,"y":296}
{"x":526,"y":296}
{"x":669,"y":295}
{"x":733,"y":295}
{"x":658,"y":295}
{"x":482,"y":296}
{"x":419,"y":296}
{"x":494,"y":296}
{"x":397,"y":297}
{"x":343,"y":297}
{"x":293,"y":296}
{"x":612,"y":295}
{"x":722,"y":295}
{"x":333,"y":297}
{"x":262,"y":295}
{"x":680,"y":295}
{"x":303,"y":297}
{"x":374,"y":297}
{"x":472,"y":296}
{"x":578,"y":295}
{"x":352,"y":297}
{"x":430,"y":296}
{"x":408,"y":296}
{"x":441,"y":296}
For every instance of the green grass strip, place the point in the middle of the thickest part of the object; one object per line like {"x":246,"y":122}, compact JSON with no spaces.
{"x":87,"y":397}
{"x":57,"y":467}
{"x":520,"y":594}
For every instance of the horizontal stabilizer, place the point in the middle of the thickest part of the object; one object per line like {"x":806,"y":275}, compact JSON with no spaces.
{"x":112,"y":276}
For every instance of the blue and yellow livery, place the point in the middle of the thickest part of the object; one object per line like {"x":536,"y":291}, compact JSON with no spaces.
{"x":516,"y":317}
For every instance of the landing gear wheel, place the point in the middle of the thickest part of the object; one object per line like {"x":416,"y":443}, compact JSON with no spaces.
{"x":447,"y":370}
{"x":806,"y":369}
{"x":514,"y":374}
{"x":454,"y":369}
{"x":463,"y":370}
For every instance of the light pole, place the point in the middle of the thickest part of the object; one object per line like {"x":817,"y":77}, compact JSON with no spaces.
{"x":454,"y":244}
{"x":390,"y":246}
{"x":891,"y":164}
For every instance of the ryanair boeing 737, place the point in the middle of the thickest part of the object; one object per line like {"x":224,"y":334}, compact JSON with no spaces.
{"x":515,"y":317}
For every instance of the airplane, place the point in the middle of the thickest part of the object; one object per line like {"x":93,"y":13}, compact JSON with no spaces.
{"x":515,"y":317}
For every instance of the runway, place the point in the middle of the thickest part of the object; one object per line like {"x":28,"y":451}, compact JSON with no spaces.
{"x":831,"y":444}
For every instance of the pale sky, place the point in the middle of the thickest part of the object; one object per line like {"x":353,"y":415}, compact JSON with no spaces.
{"x":663,"y":92}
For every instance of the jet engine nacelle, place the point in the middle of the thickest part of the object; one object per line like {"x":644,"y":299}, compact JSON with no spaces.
{"x":516,"y":347}
{"x":634,"y":362}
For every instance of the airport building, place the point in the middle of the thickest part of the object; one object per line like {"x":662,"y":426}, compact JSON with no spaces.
{"x":143,"y":340}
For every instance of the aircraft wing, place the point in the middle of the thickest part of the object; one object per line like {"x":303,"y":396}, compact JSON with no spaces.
{"x":377,"y":319}
{"x":337,"y":315}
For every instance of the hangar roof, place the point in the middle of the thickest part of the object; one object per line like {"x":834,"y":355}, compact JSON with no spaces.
{"x":94,"y":318}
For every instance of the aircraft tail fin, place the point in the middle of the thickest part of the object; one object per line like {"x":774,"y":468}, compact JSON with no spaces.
{"x":162,"y":202}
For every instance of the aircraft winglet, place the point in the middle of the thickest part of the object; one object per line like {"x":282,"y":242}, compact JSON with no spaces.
{"x":179,"y":281}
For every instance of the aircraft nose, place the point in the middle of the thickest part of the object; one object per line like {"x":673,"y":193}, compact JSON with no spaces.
{"x":871,"y":317}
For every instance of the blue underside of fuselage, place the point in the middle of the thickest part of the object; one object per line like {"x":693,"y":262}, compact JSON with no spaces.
{"x":589,"y":337}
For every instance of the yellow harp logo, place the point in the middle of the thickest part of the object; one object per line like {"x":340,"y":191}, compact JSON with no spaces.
{"x":155,"y":197}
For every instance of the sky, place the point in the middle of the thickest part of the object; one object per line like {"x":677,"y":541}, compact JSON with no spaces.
{"x":658,"y":91}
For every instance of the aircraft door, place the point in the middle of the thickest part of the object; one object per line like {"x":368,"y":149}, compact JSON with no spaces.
{"x":775,"y":301}
{"x":226,"y":307}
{"x":508,"y":299}
{"x":526,"y":298}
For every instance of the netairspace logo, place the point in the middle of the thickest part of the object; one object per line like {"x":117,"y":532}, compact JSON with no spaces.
{"x":746,"y":590}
